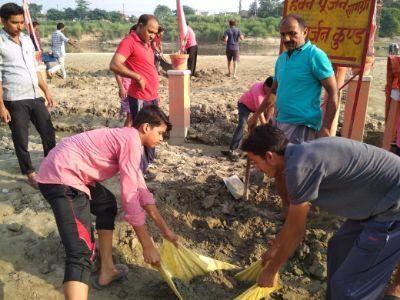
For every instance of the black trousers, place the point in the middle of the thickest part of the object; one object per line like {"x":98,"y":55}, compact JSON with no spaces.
{"x":191,"y":64}
{"x":72,"y":210}
{"x":23,"y":111}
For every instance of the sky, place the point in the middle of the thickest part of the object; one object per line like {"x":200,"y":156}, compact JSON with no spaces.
{"x":138,"y":7}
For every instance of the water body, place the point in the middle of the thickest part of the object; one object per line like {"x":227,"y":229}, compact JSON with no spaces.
{"x":250,"y":48}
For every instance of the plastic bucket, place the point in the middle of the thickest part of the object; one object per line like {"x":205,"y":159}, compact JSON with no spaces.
{"x":179,"y":61}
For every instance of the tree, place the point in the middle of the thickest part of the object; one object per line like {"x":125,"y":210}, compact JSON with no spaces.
{"x":162,"y":12}
{"x":55,"y":14}
{"x":270,"y":8}
{"x":253,"y":9}
{"x":70,"y":14}
{"x":390,"y":22}
{"x":82,"y":8}
{"x":115,"y":16}
{"x":98,"y":14}
{"x":35,"y":10}
{"x":188,"y":10}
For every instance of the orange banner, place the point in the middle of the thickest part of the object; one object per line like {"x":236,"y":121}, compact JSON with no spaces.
{"x":339,"y":27}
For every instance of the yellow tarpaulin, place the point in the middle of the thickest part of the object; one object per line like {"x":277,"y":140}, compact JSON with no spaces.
{"x":250,"y":275}
{"x":184,"y":264}
{"x":256,"y":293}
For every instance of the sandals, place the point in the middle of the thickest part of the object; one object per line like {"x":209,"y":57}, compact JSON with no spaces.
{"x":123,"y":271}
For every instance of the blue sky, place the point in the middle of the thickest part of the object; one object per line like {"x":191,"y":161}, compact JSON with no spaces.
{"x":138,"y":7}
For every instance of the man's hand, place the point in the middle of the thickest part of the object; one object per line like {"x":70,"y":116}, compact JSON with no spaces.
{"x":268,"y":278}
{"x":141,"y":83}
{"x":151,"y":256}
{"x":122,"y":93}
{"x":323,"y":132}
{"x":49,"y":101}
{"x":171,"y":236}
{"x":252,"y":121}
{"x":5,"y":114}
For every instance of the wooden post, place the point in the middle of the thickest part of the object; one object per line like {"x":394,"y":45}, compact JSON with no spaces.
{"x":392,"y":120}
{"x":179,"y":104}
{"x":353,"y":126}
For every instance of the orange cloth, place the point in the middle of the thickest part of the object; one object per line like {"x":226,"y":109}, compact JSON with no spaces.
{"x":392,"y":82}
{"x":393,"y":78}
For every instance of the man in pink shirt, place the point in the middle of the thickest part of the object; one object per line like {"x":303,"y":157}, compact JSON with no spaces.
{"x":248,"y":103}
{"x":191,"y":49}
{"x":69,"y":180}
{"x":134,"y":59}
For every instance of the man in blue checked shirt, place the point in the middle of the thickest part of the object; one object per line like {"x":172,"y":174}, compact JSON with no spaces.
{"x":58,"y":40}
{"x":20,"y":80}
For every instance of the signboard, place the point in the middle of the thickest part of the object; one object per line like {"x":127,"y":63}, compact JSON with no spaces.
{"x":339,"y":27}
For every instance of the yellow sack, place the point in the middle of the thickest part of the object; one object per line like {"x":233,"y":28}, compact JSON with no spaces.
{"x":184,"y":264}
{"x":251,"y":275}
{"x":256,"y":293}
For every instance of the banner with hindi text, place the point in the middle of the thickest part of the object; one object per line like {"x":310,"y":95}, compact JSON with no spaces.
{"x":339,"y":27}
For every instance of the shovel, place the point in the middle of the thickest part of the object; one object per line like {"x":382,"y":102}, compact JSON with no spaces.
{"x":246,"y":181}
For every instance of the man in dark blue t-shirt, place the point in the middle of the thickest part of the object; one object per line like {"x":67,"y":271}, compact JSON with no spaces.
{"x":346,"y":178}
{"x":232,"y":36}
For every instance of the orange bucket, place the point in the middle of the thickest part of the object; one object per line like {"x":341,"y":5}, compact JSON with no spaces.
{"x":179,"y":61}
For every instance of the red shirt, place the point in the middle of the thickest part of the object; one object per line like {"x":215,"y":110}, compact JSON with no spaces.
{"x":140,"y":59}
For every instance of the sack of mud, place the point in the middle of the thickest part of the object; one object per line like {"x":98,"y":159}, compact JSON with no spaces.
{"x":250,"y":275}
{"x":256,"y":293}
{"x":183,"y":264}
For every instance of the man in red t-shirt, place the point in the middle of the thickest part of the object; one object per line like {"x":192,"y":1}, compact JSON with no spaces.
{"x":134,"y":59}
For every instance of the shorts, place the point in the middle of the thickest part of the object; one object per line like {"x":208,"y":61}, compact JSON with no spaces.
{"x":232,"y":54}
{"x":297,"y":134}
{"x":125,"y":107}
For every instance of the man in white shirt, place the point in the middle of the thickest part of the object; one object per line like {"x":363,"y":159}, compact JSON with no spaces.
{"x":58,"y":40}
{"x":20,"y":80}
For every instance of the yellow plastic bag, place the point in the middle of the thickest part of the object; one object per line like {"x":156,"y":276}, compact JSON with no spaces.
{"x":184,"y":264}
{"x":251,"y":275}
{"x":256,"y":293}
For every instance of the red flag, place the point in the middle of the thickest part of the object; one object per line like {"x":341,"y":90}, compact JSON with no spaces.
{"x":182,"y":26}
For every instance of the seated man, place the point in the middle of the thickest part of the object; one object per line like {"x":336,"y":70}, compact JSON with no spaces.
{"x":69,"y":180}
{"x":346,"y":178}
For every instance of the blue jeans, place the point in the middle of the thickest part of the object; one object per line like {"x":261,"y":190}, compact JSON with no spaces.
{"x":361,"y":258}
{"x":135,"y":105}
{"x":244,"y":113}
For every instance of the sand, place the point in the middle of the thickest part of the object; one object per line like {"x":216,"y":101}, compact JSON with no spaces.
{"x":188,"y":187}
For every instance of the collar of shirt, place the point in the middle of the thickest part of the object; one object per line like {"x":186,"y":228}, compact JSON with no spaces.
{"x":8,"y":36}
{"x":299,"y":49}
{"x":137,"y":39}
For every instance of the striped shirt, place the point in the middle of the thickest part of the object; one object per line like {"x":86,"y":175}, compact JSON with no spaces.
{"x":18,"y":68}
{"x":58,"y":40}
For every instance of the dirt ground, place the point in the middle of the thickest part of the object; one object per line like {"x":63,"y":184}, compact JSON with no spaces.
{"x":187,"y":185}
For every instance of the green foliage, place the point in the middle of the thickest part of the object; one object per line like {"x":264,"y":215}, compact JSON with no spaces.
{"x":188,"y":10}
{"x":35,"y":11}
{"x":270,"y":8}
{"x":390,"y":22}
{"x":162,"y":12}
{"x":55,"y":14}
{"x":82,"y":9}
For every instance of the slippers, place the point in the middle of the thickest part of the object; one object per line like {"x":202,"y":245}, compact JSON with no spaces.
{"x":123,"y":271}
{"x":390,"y":297}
